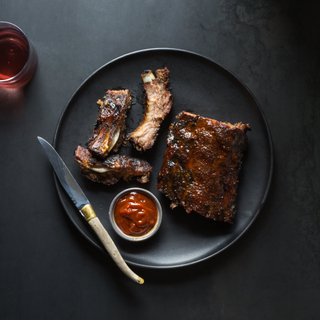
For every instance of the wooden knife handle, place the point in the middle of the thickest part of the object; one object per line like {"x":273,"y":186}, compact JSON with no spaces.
{"x":108,"y":243}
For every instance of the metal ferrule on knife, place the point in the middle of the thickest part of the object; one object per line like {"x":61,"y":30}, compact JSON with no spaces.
{"x":88,"y":212}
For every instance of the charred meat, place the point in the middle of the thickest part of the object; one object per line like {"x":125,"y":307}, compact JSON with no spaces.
{"x":158,"y":103}
{"x":201,"y":165}
{"x":108,"y":133}
{"x":113,"y":168}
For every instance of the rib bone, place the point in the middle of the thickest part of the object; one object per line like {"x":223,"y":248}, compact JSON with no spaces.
{"x":157,"y":107}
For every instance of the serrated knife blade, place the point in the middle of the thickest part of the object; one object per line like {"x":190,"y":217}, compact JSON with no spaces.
{"x":64,"y":175}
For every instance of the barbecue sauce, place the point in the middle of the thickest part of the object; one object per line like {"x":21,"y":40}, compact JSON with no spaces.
{"x":135,"y":214}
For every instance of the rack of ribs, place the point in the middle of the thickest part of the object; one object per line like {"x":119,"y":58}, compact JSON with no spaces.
{"x":108,"y":133}
{"x":201,"y":165}
{"x":158,"y":103}
{"x":110,"y":170}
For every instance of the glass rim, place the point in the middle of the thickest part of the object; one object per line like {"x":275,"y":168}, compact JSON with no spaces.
{"x":5,"y":81}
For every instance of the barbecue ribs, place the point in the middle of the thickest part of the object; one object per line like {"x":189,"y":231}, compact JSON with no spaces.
{"x":157,"y":106}
{"x":201,"y":165}
{"x":108,"y":133}
{"x":113,"y":168}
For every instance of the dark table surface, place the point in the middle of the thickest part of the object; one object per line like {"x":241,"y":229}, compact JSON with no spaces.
{"x":49,"y":271}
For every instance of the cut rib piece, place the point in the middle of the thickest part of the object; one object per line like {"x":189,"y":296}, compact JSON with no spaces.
{"x":108,"y":133}
{"x":113,"y":168}
{"x":157,"y":106}
{"x":201,"y":165}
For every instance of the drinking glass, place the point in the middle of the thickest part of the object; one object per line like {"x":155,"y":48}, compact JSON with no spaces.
{"x":18,"y":58}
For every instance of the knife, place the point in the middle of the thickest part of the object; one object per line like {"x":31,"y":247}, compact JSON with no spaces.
{"x":83,"y":205}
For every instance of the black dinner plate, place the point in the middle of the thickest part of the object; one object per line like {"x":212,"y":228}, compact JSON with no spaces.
{"x":200,"y":86}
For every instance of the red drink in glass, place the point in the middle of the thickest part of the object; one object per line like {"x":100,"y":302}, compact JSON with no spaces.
{"x":18,"y":59}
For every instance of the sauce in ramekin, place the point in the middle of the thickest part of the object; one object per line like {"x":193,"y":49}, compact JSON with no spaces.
{"x":135,"y":213}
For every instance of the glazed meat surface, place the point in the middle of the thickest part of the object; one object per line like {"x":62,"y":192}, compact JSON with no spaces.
{"x":158,"y":103}
{"x":201,"y":165}
{"x":113,"y":168}
{"x":108,"y":133}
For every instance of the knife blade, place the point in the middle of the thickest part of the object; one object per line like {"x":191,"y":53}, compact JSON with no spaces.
{"x":83,"y":205}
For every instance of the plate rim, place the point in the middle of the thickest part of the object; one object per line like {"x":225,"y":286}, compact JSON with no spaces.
{"x":270,"y":142}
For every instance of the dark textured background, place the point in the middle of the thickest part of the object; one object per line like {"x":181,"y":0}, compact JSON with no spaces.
{"x":48,"y":271}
